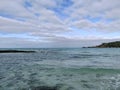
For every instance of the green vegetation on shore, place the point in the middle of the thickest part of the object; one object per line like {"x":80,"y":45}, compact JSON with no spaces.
{"x":115,"y":44}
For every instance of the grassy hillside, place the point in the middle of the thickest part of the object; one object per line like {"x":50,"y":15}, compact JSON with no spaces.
{"x":115,"y":44}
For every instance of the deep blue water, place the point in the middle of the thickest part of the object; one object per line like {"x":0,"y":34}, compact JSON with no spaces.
{"x":61,"y":69}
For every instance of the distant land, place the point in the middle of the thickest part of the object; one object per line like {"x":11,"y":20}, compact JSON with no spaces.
{"x":115,"y":44}
{"x":15,"y":51}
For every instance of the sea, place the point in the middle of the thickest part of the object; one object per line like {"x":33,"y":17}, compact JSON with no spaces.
{"x":61,"y":69}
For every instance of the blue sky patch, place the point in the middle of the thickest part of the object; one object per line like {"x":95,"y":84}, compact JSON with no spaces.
{"x":59,"y":10}
{"x":93,"y":19}
{"x":27,"y":4}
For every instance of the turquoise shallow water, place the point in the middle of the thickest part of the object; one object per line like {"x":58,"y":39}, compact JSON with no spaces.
{"x":61,"y":69}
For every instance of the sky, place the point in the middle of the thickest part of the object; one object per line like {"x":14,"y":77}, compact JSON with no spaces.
{"x":58,"y":23}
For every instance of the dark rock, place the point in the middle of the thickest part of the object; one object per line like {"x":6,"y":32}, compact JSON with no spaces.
{"x":15,"y":51}
{"x":44,"y":88}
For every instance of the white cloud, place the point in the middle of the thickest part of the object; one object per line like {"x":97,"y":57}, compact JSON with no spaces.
{"x":105,"y":9}
{"x":83,"y":24}
{"x":37,"y":18}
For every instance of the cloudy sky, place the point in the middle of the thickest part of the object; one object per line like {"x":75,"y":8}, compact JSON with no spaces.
{"x":58,"y":23}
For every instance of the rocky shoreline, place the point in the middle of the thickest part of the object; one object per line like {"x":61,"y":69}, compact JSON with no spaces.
{"x":115,"y":44}
{"x":16,"y":51}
